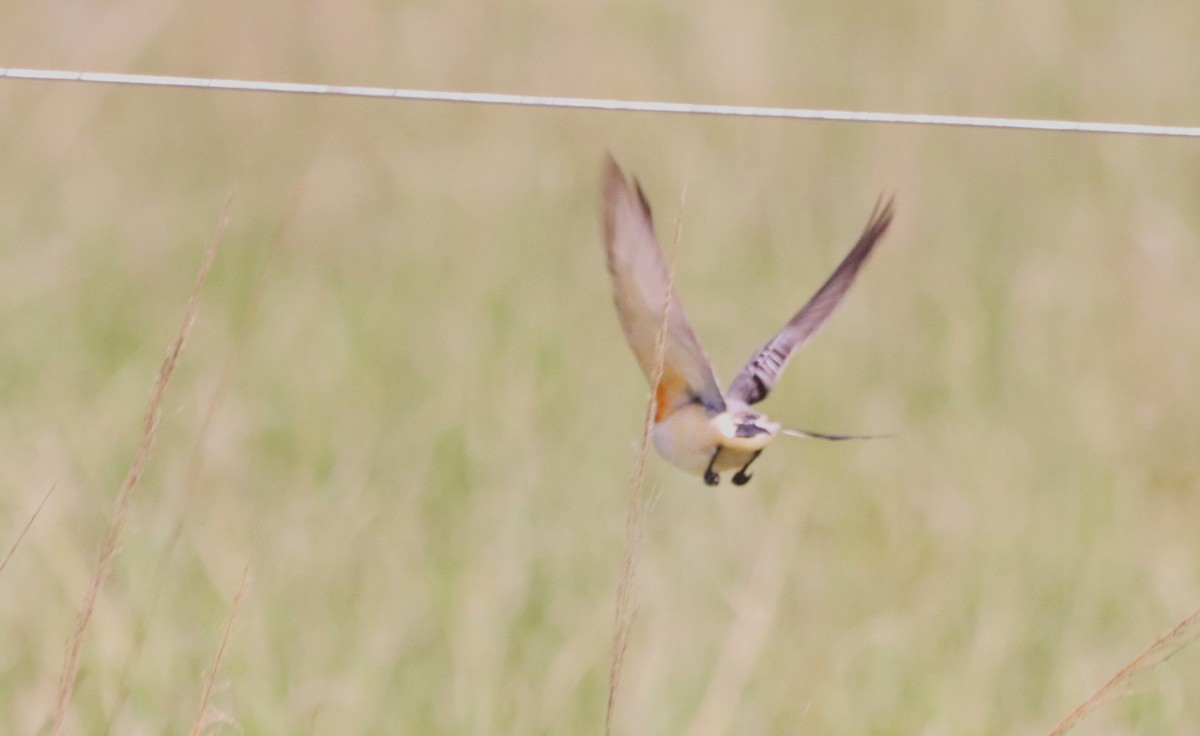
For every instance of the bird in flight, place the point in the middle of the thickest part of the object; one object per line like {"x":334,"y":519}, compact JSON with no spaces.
{"x":696,"y":426}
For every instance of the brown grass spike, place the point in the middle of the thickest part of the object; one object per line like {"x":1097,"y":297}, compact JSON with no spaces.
{"x":1154,"y":655}
{"x":28,"y":524}
{"x":635,"y":512}
{"x":195,"y":464}
{"x":210,"y":681}
{"x":116,"y":522}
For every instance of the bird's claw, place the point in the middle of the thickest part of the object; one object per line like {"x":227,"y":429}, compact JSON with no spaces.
{"x":712,"y":479}
{"x":741,"y":477}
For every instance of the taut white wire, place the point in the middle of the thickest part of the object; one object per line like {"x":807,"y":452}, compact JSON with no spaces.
{"x":588,"y":103}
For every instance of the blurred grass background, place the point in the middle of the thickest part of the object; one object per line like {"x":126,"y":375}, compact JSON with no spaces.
{"x":424,"y":417}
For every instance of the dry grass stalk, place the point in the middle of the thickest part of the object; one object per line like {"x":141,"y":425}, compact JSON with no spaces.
{"x":1160,"y":651}
{"x":25,"y":529}
{"x":210,"y":681}
{"x":196,"y":462}
{"x":635,"y":516}
{"x":116,"y":523}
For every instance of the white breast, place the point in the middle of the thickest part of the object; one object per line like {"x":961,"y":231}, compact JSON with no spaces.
{"x":690,"y":435}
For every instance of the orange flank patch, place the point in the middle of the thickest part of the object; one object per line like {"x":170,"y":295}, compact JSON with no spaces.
{"x":667,"y":395}
{"x":661,"y":405}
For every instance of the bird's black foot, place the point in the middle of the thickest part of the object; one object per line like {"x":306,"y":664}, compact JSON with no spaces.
{"x":741,"y":477}
{"x":710,"y":475}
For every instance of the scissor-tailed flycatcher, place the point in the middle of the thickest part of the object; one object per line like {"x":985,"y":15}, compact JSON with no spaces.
{"x":697,"y":427}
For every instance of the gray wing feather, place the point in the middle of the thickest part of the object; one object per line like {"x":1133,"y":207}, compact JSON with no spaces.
{"x":759,"y":375}
{"x":640,"y":289}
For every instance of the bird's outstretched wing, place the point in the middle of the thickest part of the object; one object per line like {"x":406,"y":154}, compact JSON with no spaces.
{"x":640,"y":290}
{"x":758,"y":376}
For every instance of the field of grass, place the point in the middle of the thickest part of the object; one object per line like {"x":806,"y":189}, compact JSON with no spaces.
{"x":407,"y":402}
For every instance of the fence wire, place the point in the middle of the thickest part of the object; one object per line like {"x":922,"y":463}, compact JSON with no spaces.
{"x":589,"y":103}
